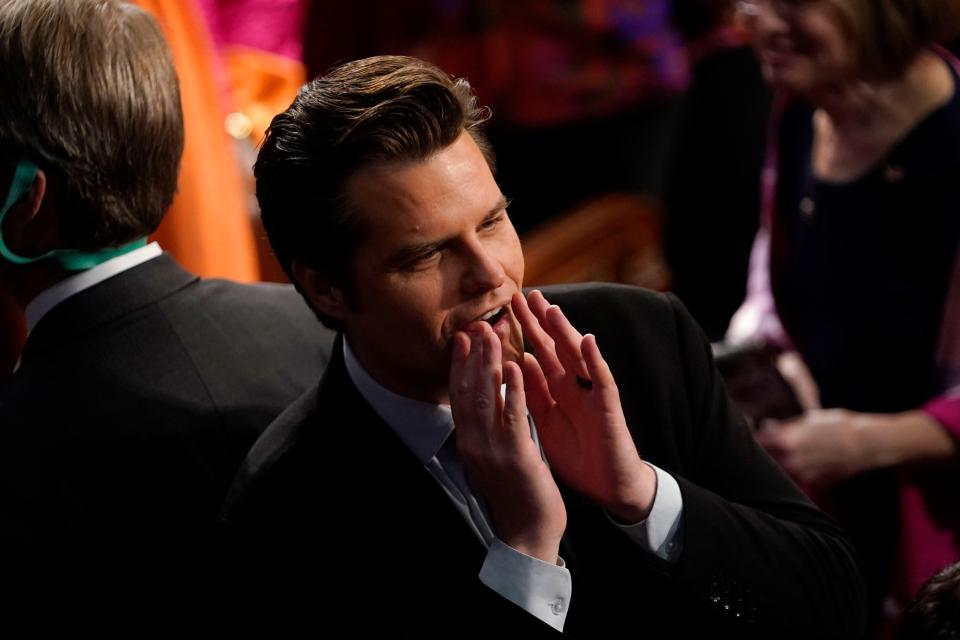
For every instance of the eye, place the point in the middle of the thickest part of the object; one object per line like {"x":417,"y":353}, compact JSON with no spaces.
{"x":491,"y":222}
{"x":422,"y":260}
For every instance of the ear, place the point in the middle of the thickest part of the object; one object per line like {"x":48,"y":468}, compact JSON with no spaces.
{"x":29,"y":225}
{"x":319,"y":290}
{"x":27,"y":207}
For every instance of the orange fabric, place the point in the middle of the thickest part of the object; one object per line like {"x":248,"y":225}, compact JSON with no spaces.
{"x":208,"y":228}
{"x":263,"y":84}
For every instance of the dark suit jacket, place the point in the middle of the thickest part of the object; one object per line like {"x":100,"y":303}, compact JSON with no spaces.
{"x":135,"y":403}
{"x":331,"y":496}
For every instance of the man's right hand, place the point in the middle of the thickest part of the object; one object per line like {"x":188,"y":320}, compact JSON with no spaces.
{"x":493,"y":437}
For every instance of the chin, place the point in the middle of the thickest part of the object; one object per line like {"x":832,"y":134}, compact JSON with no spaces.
{"x":786,"y":82}
{"x":788,"y":78}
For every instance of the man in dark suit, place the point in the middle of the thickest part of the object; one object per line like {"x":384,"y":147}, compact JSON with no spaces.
{"x":411,"y":496}
{"x":141,"y":387}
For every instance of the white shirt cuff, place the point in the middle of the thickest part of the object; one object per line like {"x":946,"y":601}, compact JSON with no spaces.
{"x":660,"y":533}
{"x":539,"y":588}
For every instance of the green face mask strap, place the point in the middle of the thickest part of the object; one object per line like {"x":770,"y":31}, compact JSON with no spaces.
{"x":23,"y":177}
{"x":70,"y":259}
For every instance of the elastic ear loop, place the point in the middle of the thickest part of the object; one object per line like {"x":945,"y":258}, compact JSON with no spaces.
{"x":70,"y":259}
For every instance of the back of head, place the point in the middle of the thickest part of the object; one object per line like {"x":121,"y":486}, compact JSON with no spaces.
{"x":889,"y":33}
{"x":89,"y":93}
{"x":381,"y":109}
{"x":935,"y":613}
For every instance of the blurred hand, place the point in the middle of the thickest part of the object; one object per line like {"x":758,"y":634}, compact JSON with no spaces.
{"x":826,"y":445}
{"x":576,"y":405}
{"x":795,"y":371}
{"x":818,"y":448}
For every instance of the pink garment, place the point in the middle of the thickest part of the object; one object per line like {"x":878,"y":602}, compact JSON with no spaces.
{"x":274,"y":26}
{"x":926,"y":545}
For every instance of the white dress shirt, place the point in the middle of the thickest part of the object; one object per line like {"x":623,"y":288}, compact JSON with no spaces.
{"x":540,"y":588}
{"x":72,"y":285}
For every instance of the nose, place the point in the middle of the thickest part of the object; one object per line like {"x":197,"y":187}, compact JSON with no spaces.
{"x":764,"y":17}
{"x":770,"y":21}
{"x":483,"y":271}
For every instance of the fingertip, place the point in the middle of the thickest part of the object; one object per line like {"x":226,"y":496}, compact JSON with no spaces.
{"x":767,"y":425}
{"x":770,"y":441}
{"x":529,"y":362}
{"x":520,"y":308}
{"x":474,"y":329}
{"x":538,"y":303}
{"x":597,"y":366}
{"x":491,"y":344}
{"x":590,"y":349}
{"x":512,"y":375}
{"x":461,"y":345}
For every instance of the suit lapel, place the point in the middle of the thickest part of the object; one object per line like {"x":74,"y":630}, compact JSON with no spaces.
{"x":409,"y":502}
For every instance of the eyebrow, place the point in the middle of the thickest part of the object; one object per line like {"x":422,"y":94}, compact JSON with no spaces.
{"x":411,"y":251}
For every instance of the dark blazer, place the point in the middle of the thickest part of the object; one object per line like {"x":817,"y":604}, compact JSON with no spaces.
{"x":134,"y":405}
{"x":330,"y":495}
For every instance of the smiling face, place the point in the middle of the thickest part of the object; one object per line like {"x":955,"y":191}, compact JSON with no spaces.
{"x":440,"y":253}
{"x":803,"y":45}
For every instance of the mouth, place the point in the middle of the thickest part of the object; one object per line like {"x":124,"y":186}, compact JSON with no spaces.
{"x":777,"y":56}
{"x":504,"y":324}
{"x":493,"y":316}
{"x":499,"y":319}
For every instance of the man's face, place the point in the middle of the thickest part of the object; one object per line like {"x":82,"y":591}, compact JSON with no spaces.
{"x":440,"y":253}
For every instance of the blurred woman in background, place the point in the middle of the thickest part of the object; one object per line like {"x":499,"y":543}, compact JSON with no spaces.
{"x":854,"y":269}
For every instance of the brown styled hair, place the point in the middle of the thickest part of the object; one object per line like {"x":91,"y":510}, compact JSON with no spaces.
{"x":88,"y":91}
{"x":889,"y":33}
{"x":380,"y":109}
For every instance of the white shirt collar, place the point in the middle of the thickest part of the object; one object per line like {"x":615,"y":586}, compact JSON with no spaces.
{"x":49,"y":298}
{"x":422,"y":426}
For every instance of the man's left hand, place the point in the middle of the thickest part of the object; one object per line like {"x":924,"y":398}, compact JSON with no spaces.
{"x":576,"y":406}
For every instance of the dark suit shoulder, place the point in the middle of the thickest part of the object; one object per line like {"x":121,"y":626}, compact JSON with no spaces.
{"x":273,"y":468}
{"x":274,"y":308}
{"x":252,"y":345}
{"x":595,"y":296}
{"x":620,"y":311}
{"x":281,"y":436}
{"x":136,"y":404}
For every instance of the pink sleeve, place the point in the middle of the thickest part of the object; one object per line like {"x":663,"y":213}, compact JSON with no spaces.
{"x":757,"y":318}
{"x":945,"y":408}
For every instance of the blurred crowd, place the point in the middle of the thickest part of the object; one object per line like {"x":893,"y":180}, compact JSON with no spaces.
{"x":801,"y":166}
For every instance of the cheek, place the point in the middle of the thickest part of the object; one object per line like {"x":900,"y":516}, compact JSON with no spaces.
{"x":417,"y":303}
{"x":511,"y":257}
{"x":827,"y":41}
